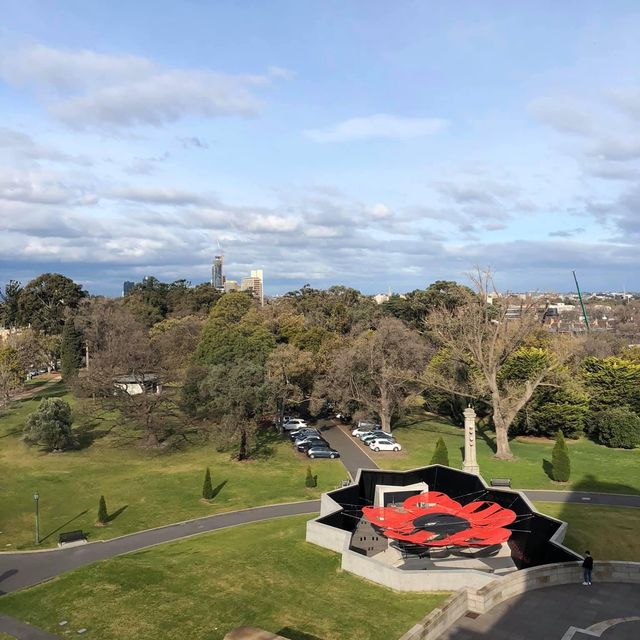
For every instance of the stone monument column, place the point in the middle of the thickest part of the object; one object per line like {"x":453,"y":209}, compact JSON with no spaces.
{"x":470,"y":464}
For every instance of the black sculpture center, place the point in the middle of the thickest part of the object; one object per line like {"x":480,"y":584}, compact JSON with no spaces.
{"x":443,"y":524}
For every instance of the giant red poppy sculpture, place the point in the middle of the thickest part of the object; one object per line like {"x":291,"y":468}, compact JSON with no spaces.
{"x":433,"y":519}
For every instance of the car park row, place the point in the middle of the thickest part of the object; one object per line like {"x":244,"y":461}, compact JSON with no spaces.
{"x":372,"y":435}
{"x":309,"y":440}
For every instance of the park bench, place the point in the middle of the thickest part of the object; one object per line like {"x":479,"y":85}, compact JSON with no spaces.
{"x":501,"y":482}
{"x":72,"y":536}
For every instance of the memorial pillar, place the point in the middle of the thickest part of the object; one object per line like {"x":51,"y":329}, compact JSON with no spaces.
{"x":470,"y":464}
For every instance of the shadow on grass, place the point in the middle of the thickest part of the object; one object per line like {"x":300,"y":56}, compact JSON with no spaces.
{"x":489,"y":440}
{"x":62,"y":526}
{"x":295,"y":634}
{"x":14,"y":432}
{"x":547,"y":467}
{"x":218,"y":489}
{"x":266,"y":441}
{"x":112,"y":516}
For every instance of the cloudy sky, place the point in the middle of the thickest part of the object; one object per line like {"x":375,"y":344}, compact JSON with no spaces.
{"x":371,"y":144}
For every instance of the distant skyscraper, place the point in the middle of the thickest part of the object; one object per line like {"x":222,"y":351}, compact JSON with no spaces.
{"x":217,"y":279}
{"x":255,"y":284}
{"x":230,"y":285}
{"x":127,"y":286}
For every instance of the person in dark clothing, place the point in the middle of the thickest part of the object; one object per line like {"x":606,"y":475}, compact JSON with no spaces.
{"x":587,"y":567}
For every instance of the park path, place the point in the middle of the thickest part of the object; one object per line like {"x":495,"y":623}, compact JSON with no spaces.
{"x":29,"y":393}
{"x":22,"y":630}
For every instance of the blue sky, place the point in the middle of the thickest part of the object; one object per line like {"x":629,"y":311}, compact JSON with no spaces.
{"x":363,"y":143}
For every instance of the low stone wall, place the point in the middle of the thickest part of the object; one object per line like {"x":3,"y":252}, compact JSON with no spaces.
{"x":501,"y":589}
{"x":548,"y":575}
{"x":440,"y":619}
{"x":328,"y":537}
{"x":400,"y":580}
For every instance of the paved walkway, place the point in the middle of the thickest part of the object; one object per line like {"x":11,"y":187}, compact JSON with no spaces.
{"x":22,"y":630}
{"x":351,"y":455}
{"x":20,"y":570}
{"x":558,"y":613}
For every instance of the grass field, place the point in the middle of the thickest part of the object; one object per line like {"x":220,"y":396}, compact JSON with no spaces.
{"x":593,"y":467}
{"x":142,"y":488}
{"x":610,"y":533}
{"x":262,"y":574}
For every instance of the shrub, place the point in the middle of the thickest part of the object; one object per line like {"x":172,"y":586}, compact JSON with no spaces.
{"x":311,"y":480}
{"x":207,"y":487}
{"x":103,"y":516}
{"x":618,"y":427}
{"x":50,"y":425}
{"x":441,"y":454}
{"x":560,"y":459}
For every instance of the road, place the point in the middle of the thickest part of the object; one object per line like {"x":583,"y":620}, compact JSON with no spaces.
{"x":20,"y":570}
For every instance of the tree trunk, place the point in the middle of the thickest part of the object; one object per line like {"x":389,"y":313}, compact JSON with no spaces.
{"x":242,"y":453}
{"x":385,"y":419}
{"x":503,"y":450}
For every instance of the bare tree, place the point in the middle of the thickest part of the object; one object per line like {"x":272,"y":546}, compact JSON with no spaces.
{"x":377,"y":369}
{"x":484,"y":335}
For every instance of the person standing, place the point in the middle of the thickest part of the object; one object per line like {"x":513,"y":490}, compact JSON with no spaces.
{"x":587,"y":568}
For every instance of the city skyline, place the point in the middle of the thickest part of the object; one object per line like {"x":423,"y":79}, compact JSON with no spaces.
{"x":325,"y":143}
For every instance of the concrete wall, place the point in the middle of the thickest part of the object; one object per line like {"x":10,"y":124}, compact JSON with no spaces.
{"x":501,"y":589}
{"x":399,"y":580}
{"x":328,"y":537}
{"x":440,"y":619}
{"x":549,"y":575}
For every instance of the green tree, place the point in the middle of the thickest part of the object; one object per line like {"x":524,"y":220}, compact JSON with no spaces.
{"x":560,"y":462}
{"x":413,"y":307}
{"x":10,"y":315}
{"x":103,"y":515}
{"x":441,"y":453}
{"x":235,"y":396}
{"x":11,"y":373}
{"x":207,"y":487}
{"x":311,"y":480}
{"x":377,"y":369}
{"x":234,"y":331}
{"x":45,"y":299}
{"x":612,"y":382}
{"x":50,"y":425}
{"x":616,"y":427}
{"x":70,"y":350}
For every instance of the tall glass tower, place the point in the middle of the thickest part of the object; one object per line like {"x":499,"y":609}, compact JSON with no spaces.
{"x":217,"y":279}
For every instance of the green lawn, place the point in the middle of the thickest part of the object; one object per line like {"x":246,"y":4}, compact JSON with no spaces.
{"x":263,"y":575}
{"x":610,"y":533}
{"x":593,"y":467}
{"x":149,"y":489}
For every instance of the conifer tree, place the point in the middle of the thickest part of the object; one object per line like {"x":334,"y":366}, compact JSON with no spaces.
{"x":441,"y":454}
{"x":70,"y":350}
{"x":311,"y":480}
{"x":560,"y":459}
{"x":103,"y":516}
{"x":207,"y":487}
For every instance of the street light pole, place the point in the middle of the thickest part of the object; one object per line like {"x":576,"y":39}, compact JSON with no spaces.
{"x":36,"y":497}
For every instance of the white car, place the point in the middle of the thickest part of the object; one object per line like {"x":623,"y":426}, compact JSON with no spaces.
{"x":365,"y":427}
{"x":384,"y":444}
{"x":294,"y":423}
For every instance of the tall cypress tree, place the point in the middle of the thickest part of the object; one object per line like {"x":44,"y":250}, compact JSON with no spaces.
{"x":70,"y":350}
{"x":441,"y":453}
{"x":560,"y":459}
{"x":207,"y":487}
{"x":103,"y":515}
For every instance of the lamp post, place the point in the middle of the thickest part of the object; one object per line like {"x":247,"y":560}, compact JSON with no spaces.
{"x":36,"y":497}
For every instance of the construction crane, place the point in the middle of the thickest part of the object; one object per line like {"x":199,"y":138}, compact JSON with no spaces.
{"x":584,"y":311}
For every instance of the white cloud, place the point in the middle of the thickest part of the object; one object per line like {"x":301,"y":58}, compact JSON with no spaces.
{"x":379,"y":126}
{"x":89,"y":90}
{"x":564,"y":114}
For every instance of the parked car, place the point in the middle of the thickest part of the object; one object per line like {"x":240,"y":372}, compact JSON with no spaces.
{"x":365,"y":427}
{"x":370,"y":437}
{"x":307,"y":431}
{"x":307,"y":438}
{"x":322,"y":452}
{"x":343,"y":417}
{"x":294,"y":423}
{"x":384,"y":444}
{"x":303,"y":447}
